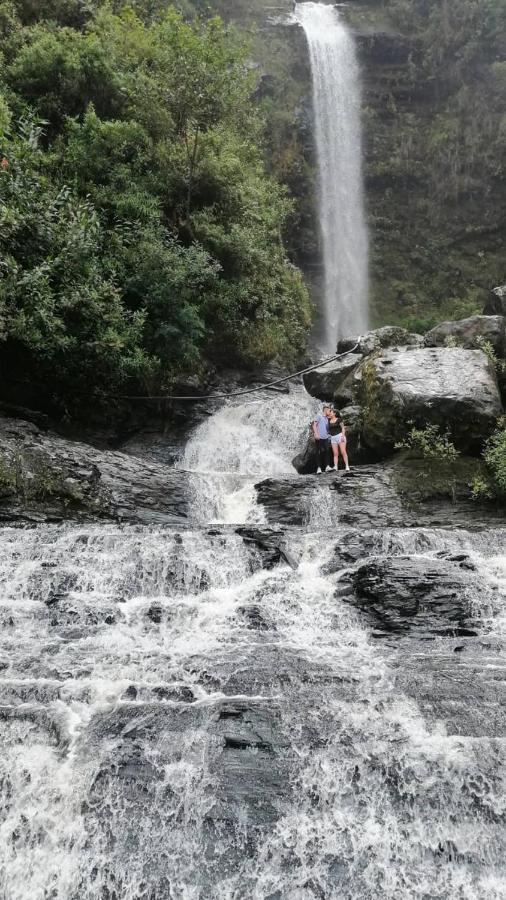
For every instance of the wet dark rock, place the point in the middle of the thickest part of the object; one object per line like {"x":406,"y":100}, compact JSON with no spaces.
{"x":154,"y":614}
{"x":400,"y":493}
{"x":54,"y":598}
{"x":130,"y":693}
{"x":324,"y":382}
{"x":254,"y":617}
{"x":67,"y":613}
{"x":44,"y":477}
{"x":247,"y":757}
{"x":469,"y":332}
{"x":177,"y":693}
{"x":431,"y":595}
{"x":305,"y":462}
{"x":270,"y":544}
{"x":354,"y":545}
{"x":252,"y":766}
{"x":465,"y":690}
{"x":496,"y":303}
{"x":452,"y":388}
{"x":358,"y":452}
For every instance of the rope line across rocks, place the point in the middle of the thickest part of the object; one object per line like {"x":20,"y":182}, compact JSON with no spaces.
{"x":244,"y":393}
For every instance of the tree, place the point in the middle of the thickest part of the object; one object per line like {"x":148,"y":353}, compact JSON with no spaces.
{"x":141,"y":231}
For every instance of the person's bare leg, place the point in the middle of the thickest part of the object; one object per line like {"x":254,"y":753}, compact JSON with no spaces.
{"x":335,"y":453}
{"x":345,"y":454}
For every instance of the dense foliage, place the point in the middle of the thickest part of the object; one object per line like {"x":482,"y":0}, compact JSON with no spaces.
{"x":140,"y":236}
{"x":436,"y":159}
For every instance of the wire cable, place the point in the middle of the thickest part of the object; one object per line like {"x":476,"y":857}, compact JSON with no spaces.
{"x":224,"y":396}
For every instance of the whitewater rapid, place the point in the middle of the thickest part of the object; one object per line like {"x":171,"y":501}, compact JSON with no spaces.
{"x":241,"y":444}
{"x":185,"y":719}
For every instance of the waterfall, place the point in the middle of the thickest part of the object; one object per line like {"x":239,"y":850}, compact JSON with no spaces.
{"x":239,"y":445}
{"x":336,"y":100}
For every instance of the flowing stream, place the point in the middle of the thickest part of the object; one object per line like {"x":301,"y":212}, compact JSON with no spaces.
{"x":337,"y":106}
{"x":240,"y":445}
{"x":186,"y":718}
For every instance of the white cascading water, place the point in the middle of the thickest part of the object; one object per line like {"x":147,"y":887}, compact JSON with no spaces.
{"x":241,"y":444}
{"x":337,"y":111}
{"x":181,"y":720}
{"x":180,"y":724}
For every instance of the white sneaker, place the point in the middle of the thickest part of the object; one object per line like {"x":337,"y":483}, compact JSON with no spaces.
{"x":348,"y":469}
{"x":318,"y":471}
{"x":335,"y":469}
{"x":328,"y":469}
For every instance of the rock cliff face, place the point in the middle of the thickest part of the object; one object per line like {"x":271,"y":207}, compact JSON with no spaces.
{"x":436,"y":207}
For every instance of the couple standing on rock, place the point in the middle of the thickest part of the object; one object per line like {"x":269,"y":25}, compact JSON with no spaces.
{"x":329,"y":432}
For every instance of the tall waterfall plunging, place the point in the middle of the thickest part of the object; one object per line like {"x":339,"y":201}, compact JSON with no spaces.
{"x":336,"y":99}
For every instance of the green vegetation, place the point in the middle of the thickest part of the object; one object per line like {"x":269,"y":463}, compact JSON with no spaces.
{"x":495,"y":458}
{"x":436,"y":163}
{"x":140,"y":234}
{"x":490,"y":484}
{"x":498,"y":363}
{"x":418,"y":479}
{"x":429,"y":443}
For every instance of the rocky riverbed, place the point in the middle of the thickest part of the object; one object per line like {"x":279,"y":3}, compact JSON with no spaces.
{"x":217,"y":684}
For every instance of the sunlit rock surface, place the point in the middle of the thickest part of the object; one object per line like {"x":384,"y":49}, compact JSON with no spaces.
{"x":452,"y":388}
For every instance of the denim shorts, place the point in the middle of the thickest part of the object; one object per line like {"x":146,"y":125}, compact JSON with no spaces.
{"x":337,"y":438}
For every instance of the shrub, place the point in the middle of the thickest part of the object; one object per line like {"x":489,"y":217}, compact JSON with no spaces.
{"x":498,"y":364}
{"x":481,"y":489}
{"x":495,"y":457}
{"x":429,"y":443}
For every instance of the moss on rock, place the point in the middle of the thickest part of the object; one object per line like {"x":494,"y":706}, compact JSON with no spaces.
{"x":418,"y":480}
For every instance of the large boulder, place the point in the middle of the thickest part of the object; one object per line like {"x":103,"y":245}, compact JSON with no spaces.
{"x":325,"y":382}
{"x":358,"y":452}
{"x":452,"y":388}
{"x":44,"y":477}
{"x":496,"y":303}
{"x":469,"y":332}
{"x":380,"y":339}
{"x":305,"y":462}
{"x":433,"y":595}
